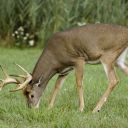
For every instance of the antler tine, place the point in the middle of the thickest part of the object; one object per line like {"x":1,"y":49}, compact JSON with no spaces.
{"x":3,"y":70}
{"x":24,"y":84}
{"x":22,"y":76}
{"x":1,"y":84}
{"x":21,"y":86}
{"x":22,"y":68}
{"x":1,"y":80}
{"x":7,"y":79}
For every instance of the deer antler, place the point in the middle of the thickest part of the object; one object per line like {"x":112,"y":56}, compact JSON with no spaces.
{"x":28,"y":78}
{"x":7,"y":79}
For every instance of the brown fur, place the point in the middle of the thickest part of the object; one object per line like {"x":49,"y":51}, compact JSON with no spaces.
{"x":74,"y":47}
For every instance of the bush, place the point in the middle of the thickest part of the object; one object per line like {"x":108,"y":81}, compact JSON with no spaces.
{"x":44,"y":17}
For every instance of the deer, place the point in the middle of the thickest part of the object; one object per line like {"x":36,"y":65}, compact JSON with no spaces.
{"x":72,"y":49}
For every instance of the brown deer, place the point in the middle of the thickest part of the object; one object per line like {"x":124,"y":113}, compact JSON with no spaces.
{"x":72,"y":49}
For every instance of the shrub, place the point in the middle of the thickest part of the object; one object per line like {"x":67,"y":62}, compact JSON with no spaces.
{"x":44,"y":17}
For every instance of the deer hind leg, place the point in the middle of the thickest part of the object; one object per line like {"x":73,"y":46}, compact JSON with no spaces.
{"x":121,"y":61}
{"x":109,"y":69}
{"x":79,"y":69}
{"x":58,"y":85}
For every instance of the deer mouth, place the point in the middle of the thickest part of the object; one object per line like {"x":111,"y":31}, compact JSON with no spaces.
{"x":35,"y":105}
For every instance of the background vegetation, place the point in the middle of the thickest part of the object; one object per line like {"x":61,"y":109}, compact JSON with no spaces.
{"x":45,"y":17}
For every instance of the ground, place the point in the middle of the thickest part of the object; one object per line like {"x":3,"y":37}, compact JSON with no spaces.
{"x":65,"y":114}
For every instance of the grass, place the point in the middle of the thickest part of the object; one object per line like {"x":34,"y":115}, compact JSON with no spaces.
{"x":65,"y":114}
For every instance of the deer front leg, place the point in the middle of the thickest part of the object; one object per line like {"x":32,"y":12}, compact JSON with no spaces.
{"x":109,"y":69}
{"x":79,"y":69}
{"x":58,"y":85}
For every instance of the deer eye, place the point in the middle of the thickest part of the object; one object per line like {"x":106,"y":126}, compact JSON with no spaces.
{"x":32,"y":96}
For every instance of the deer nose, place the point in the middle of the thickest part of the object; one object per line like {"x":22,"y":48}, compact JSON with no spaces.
{"x":37,"y":105}
{"x":33,"y":106}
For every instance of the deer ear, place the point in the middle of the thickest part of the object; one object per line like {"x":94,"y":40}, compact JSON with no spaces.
{"x":38,"y":84}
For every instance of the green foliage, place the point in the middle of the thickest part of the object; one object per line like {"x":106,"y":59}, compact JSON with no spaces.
{"x":65,"y":114}
{"x":49,"y":16}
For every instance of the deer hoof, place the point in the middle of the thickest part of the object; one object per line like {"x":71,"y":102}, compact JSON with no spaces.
{"x":50,"y":107}
{"x":81,"y":109}
{"x":96,"y":110}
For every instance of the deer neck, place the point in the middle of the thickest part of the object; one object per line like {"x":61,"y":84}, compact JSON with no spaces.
{"x":44,"y":69}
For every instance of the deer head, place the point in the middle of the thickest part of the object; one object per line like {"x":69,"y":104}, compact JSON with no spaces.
{"x":28,"y":90}
{"x":31,"y":88}
{"x":7,"y":79}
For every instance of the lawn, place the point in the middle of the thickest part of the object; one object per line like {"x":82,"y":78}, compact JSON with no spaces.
{"x":65,"y":114}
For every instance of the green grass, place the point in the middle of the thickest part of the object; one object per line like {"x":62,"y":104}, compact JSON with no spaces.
{"x":65,"y":114}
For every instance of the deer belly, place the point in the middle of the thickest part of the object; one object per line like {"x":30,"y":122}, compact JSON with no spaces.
{"x":65,"y":70}
{"x":94,"y":62}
